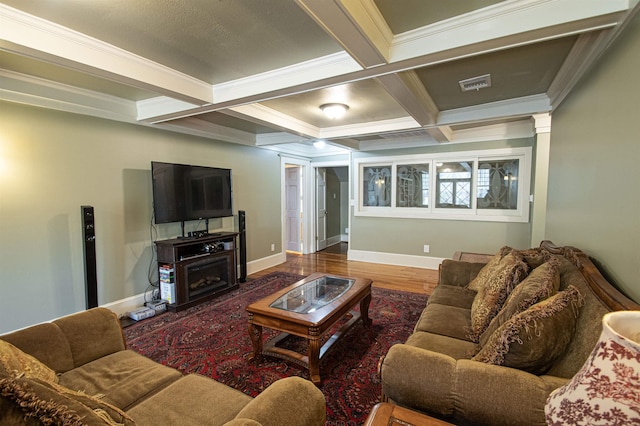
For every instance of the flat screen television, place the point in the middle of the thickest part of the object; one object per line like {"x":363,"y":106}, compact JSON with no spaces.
{"x":182,"y":192}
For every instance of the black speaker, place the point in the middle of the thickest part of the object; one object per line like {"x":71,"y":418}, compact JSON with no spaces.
{"x":89,"y":248}
{"x":242,"y":229}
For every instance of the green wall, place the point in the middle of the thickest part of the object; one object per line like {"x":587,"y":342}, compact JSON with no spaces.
{"x":594,"y":175}
{"x":51,"y":163}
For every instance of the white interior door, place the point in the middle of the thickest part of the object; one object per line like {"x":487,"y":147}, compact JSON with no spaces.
{"x":293,"y":210}
{"x":321,"y":209}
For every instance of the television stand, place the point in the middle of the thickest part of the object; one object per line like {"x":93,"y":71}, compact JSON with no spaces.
{"x":197,"y":269}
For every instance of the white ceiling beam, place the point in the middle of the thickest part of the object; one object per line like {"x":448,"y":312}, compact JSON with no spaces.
{"x":35,"y":91}
{"x":279,"y":138}
{"x":37,"y":38}
{"x":517,"y":107}
{"x":198,"y":127}
{"x":513,"y":22}
{"x":441,"y":134}
{"x":407,"y":89}
{"x":357,"y":26}
{"x":369,"y":128}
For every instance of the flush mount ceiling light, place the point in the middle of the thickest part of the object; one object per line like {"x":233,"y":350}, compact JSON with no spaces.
{"x":334,"y":110}
{"x":475,"y":83}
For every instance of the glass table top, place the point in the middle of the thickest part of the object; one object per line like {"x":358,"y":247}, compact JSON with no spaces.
{"x":313,"y":295}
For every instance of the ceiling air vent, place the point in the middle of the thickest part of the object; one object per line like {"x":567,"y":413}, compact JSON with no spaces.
{"x":475,"y":83}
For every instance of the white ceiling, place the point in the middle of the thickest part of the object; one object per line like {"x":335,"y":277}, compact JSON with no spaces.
{"x":255,"y":72}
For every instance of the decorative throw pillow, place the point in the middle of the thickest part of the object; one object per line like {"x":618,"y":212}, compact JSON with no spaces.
{"x":15,"y":363}
{"x":492,"y":294}
{"x":541,"y":283}
{"x":535,"y":257}
{"x":51,"y":403}
{"x":488,"y":270}
{"x":532,"y":340}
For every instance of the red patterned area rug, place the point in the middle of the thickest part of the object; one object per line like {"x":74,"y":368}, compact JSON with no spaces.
{"x":212,"y":339}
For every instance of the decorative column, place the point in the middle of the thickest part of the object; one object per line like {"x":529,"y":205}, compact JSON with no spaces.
{"x":542,"y":123}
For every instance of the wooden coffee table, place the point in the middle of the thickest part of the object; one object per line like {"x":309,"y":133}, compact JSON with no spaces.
{"x":309,"y":309}
{"x":385,"y":414}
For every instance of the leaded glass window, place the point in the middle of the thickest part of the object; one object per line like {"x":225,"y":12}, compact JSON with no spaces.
{"x":453,"y":184}
{"x":376,"y":185}
{"x":412,"y":185}
{"x":498,"y":184}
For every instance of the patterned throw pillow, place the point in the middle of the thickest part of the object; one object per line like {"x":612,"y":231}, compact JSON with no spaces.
{"x":541,"y":283}
{"x":493,"y":292}
{"x":534,"y":257}
{"x":15,"y":363}
{"x":532,"y":340}
{"x":488,"y":270}
{"x":51,"y":403}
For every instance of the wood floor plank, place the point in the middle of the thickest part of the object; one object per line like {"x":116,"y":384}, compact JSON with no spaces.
{"x":403,"y":278}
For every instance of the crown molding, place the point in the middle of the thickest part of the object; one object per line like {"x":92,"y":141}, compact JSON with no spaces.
{"x":29,"y":35}
{"x":39,"y":92}
{"x":507,"y":21}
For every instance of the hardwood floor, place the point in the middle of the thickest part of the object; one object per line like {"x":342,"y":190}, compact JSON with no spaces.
{"x":334,"y":261}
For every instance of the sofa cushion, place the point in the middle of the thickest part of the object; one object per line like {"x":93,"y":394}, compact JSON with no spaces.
{"x":452,"y":295}
{"x":46,"y":342}
{"x":15,"y":363}
{"x":541,"y":283}
{"x":94,"y":322}
{"x":493,"y":291}
{"x":532,"y":340}
{"x":450,"y":346}
{"x":192,"y":400}
{"x":34,"y":401}
{"x":124,"y":378}
{"x":445,"y":320}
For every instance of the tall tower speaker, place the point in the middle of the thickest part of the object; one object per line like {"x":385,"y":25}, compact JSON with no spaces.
{"x":242,"y":229}
{"x":89,"y":248}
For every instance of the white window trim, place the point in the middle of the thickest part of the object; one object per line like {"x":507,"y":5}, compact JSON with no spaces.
{"x":521,"y":214}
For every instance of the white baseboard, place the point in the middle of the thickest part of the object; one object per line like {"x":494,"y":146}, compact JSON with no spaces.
{"x":395,"y":259}
{"x":266,"y":262}
{"x":334,"y":240}
{"x":123,"y":306}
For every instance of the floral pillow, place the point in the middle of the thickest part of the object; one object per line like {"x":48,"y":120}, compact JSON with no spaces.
{"x":532,"y":340}
{"x":493,"y":291}
{"x":540,"y":284}
{"x":15,"y":363}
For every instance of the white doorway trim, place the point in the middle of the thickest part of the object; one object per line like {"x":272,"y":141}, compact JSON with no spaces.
{"x":307,"y":236}
{"x":313,"y":219}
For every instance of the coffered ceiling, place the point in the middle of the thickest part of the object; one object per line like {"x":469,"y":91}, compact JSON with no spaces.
{"x":255,"y":72}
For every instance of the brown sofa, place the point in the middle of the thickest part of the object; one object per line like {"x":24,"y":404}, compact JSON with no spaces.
{"x":77,"y":370}
{"x":470,"y":363}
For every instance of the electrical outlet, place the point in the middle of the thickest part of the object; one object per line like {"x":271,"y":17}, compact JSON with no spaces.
{"x":273,"y":247}
{"x":426,"y":248}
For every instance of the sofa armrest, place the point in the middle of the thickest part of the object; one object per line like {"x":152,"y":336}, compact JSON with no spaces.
{"x":92,"y":334}
{"x":465,"y":390}
{"x":458,"y":273}
{"x":292,"y":401}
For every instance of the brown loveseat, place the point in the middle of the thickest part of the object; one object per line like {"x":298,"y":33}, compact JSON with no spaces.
{"x":491,"y":354}
{"x":76,"y":370}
